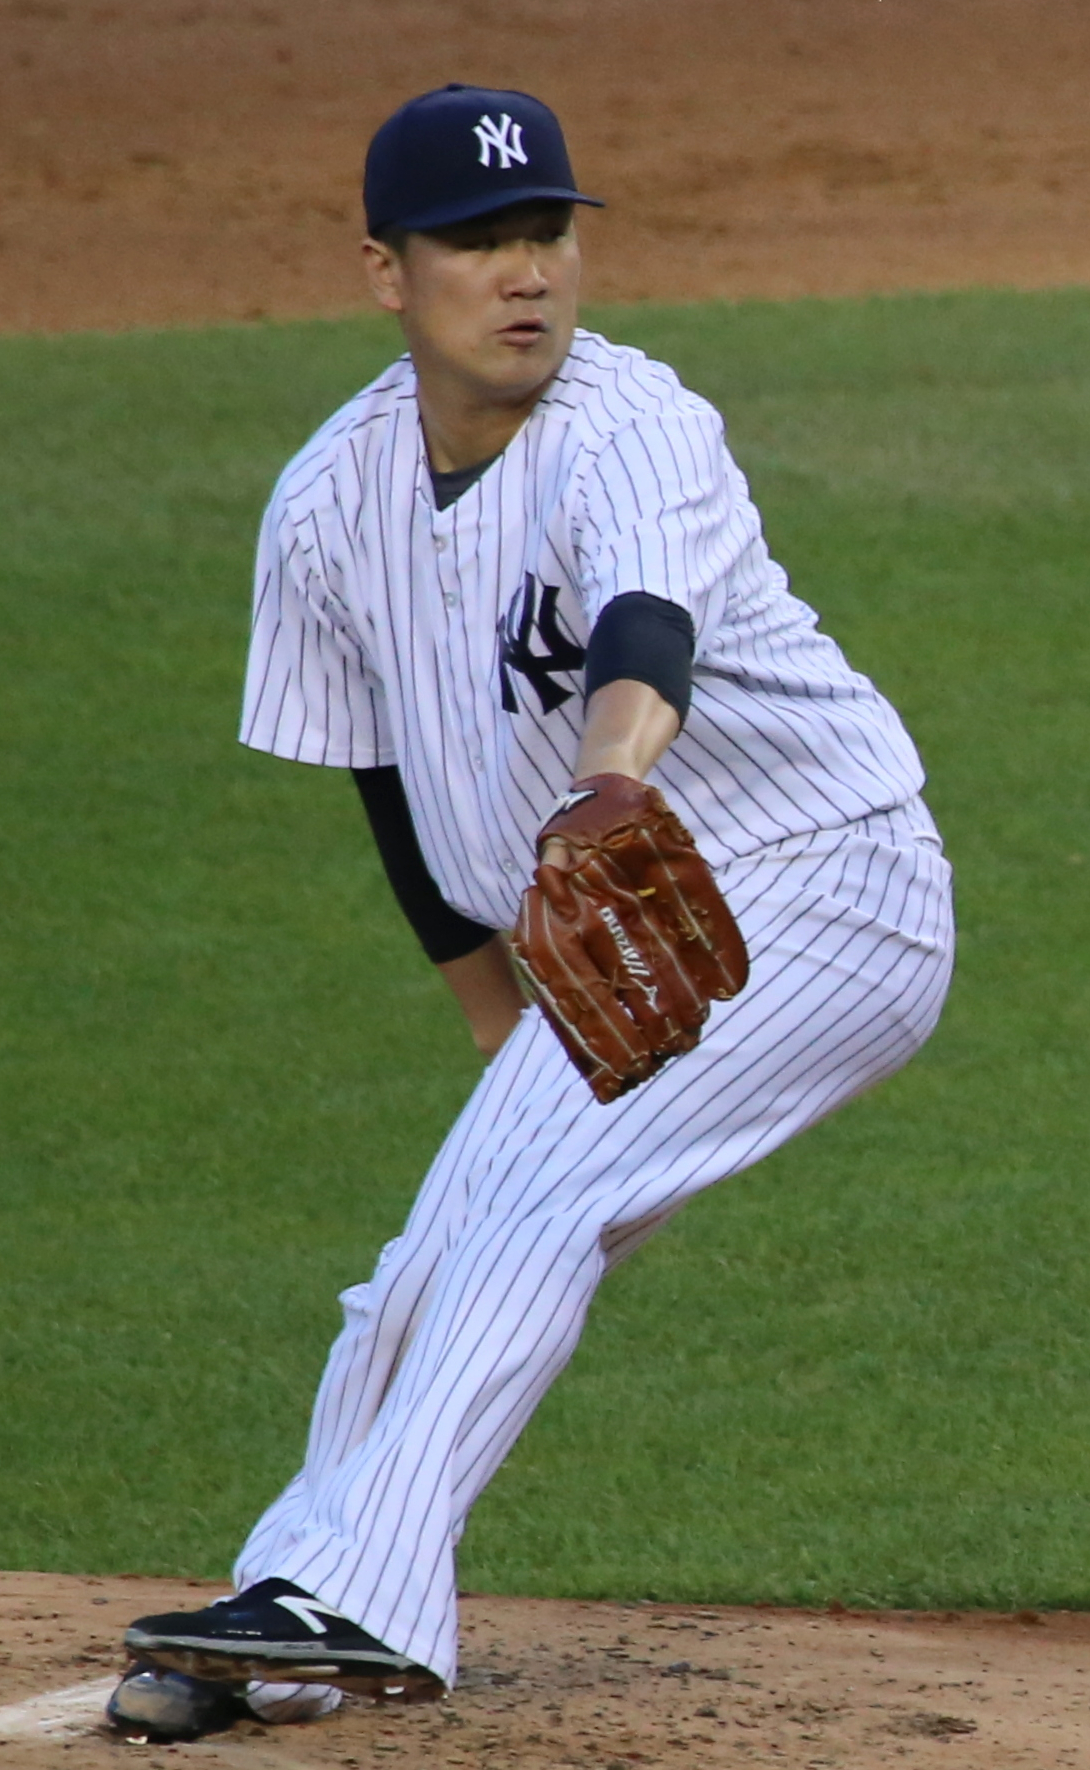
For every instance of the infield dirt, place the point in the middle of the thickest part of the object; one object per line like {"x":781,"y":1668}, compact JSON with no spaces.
{"x":173,"y":161}
{"x":610,"y":1686}
{"x":168,"y":161}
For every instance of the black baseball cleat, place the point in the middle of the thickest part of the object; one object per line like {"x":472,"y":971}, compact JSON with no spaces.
{"x":276,"y":1631}
{"x":162,"y":1707}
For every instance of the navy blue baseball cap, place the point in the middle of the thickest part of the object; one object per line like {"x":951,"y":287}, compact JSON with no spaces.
{"x":464,"y":151}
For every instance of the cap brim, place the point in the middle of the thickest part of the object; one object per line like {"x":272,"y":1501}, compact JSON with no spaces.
{"x":469,"y":208}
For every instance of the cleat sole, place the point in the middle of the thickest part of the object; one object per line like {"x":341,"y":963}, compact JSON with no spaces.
{"x":383,"y":1685}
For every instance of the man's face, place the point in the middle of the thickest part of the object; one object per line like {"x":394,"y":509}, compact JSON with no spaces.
{"x":489,"y":305}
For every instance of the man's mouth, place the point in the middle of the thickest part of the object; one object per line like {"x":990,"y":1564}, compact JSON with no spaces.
{"x":525,"y":330}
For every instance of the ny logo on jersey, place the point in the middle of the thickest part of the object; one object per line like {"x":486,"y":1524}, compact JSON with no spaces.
{"x":505,"y":137}
{"x":533,"y":614}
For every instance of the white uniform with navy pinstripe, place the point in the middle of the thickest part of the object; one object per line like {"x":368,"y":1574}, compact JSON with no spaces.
{"x":450,"y":642}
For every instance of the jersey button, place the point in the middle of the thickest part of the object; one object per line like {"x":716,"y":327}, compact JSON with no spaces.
{"x":507,"y":864}
{"x":440,"y":543}
{"x":450,"y":599}
{"x":478,"y":763}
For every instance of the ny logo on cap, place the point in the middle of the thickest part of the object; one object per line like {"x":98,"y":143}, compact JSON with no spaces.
{"x":505,"y":137}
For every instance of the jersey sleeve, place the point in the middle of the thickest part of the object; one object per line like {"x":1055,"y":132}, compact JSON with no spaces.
{"x":664,"y":509}
{"x":311,"y":691}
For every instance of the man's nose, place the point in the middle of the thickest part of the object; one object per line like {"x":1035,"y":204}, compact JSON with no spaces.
{"x":524,"y":272}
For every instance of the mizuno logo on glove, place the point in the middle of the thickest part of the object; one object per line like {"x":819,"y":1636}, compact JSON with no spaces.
{"x":638,"y":969}
{"x":569,"y":801}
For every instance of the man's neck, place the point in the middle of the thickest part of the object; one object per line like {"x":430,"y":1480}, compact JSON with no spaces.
{"x":461,"y":437}
{"x":465,"y":422}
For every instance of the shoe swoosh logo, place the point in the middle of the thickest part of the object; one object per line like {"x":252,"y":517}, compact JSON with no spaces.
{"x":307,"y":1610}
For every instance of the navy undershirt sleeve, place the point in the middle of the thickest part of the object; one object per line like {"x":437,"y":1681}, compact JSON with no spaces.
{"x":442,"y":932}
{"x":643,"y":639}
{"x":637,"y":637}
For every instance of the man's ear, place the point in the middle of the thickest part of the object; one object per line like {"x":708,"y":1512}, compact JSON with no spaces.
{"x":382,"y":268}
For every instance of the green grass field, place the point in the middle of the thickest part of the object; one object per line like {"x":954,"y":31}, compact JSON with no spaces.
{"x":862,"y":1370}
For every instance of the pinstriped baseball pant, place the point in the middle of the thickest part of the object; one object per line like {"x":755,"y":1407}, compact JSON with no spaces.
{"x":475,"y":1309}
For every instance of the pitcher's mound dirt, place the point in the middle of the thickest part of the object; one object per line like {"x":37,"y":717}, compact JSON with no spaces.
{"x":546,"y":1684}
{"x":168,"y":161}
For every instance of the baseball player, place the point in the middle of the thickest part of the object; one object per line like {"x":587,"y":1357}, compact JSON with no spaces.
{"x":518,"y":585}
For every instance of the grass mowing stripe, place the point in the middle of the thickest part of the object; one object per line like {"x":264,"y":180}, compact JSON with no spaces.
{"x":859,"y":1371}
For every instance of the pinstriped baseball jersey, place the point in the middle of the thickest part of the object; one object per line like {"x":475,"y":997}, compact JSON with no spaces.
{"x":452,"y":642}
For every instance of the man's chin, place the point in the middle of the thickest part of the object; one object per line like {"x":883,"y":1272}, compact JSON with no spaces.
{"x":520,"y":372}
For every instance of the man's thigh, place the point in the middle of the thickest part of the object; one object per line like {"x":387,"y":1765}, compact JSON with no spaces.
{"x":850,"y":943}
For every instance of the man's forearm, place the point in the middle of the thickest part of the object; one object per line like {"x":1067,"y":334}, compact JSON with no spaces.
{"x":628,"y":727}
{"x":488,"y":993}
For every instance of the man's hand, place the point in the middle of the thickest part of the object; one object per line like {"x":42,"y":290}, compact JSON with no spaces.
{"x":623,"y":937}
{"x":628,"y":726}
{"x":627,"y":942}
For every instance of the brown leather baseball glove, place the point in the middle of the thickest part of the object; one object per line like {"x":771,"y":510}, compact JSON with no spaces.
{"x":627,"y":950}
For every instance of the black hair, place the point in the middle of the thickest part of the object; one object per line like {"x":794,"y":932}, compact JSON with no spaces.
{"x":394,"y":236}
{"x":397,"y":237}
